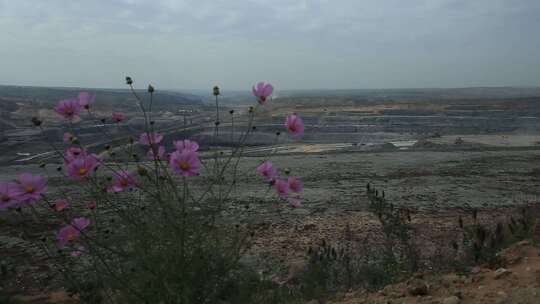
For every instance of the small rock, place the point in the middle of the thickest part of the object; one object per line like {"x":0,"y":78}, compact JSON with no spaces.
{"x":313,"y":302}
{"x":503,"y":298}
{"x":501,"y":273}
{"x":449,"y":279}
{"x":523,"y":243}
{"x":536,"y":231}
{"x":451,"y":300}
{"x":397,"y":295}
{"x":417,"y":288}
{"x":419,"y":275}
{"x":309,"y":227}
{"x":478,"y":278}
{"x":467,"y":280}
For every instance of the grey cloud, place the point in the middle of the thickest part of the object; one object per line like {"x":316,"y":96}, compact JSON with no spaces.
{"x":295,"y":43}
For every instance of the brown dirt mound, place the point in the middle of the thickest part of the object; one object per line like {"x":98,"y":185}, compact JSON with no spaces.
{"x":517,"y":281}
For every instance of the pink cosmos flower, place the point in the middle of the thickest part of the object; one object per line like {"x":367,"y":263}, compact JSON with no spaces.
{"x":118,"y":117}
{"x":8,"y":194}
{"x":282,"y":188}
{"x":67,"y":234}
{"x":161,"y":154}
{"x":68,"y":137}
{"x":71,"y":232}
{"x":262,"y":92}
{"x":73,"y":153}
{"x":91,"y":205}
{"x":186,"y":145}
{"x":68,"y":108}
{"x":294,"y":184}
{"x":294,"y":125}
{"x":80,"y":223}
{"x":61,"y":204}
{"x":85,"y":99}
{"x":148,"y":139}
{"x":295,"y":202}
{"x":186,"y":163}
{"x":83,"y":166}
{"x":123,"y":180}
{"x":30,"y":187}
{"x":267,"y":170}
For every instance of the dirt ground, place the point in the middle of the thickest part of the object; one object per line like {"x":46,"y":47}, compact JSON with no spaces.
{"x":518,"y":281}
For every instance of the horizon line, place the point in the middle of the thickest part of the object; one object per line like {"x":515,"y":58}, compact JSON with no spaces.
{"x":282,"y":90}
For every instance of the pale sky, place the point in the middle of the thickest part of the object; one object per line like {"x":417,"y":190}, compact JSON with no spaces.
{"x":294,"y":44}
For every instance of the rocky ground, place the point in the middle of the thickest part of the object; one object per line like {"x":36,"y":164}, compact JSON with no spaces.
{"x":516,"y":281}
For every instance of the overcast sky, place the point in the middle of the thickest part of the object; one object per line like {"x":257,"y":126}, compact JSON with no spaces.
{"x":295,"y":44}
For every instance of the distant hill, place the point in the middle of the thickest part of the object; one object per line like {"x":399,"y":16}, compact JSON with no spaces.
{"x":339,"y":96}
{"x":420,"y":93}
{"x":105,"y":98}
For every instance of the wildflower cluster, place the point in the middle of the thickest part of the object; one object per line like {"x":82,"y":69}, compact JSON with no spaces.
{"x":288,"y":189}
{"x":26,"y":189}
{"x":137,"y":214}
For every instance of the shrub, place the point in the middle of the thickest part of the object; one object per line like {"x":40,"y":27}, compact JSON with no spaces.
{"x":353,"y":263}
{"x":481,"y":242}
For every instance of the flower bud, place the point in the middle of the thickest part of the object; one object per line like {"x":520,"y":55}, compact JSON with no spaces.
{"x":216,"y":91}
{"x":142,"y":171}
{"x":129,"y":81}
{"x":36,"y":121}
{"x":150,"y":89}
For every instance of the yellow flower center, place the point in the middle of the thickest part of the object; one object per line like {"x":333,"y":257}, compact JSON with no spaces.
{"x":29,"y":189}
{"x":262,"y":98}
{"x":71,"y":237}
{"x":124,"y":182}
{"x":69,"y":111}
{"x":184,"y":166}
{"x":83,"y":171}
{"x":5,"y":198}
